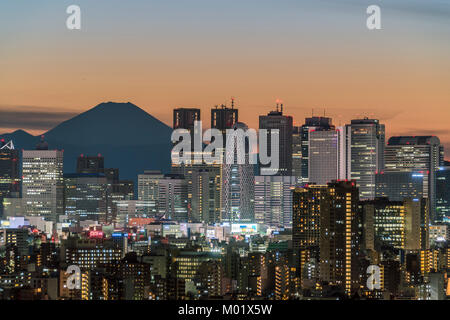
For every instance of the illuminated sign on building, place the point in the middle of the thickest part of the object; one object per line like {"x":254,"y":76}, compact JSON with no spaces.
{"x":248,"y":228}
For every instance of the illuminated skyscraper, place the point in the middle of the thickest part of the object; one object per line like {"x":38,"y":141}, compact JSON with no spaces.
{"x":9,"y":172}
{"x":85,"y":196}
{"x":238,"y":186}
{"x":273,"y":200}
{"x":443,"y":195}
{"x":417,"y":154}
{"x":184,"y":118}
{"x":398,"y":185}
{"x":327,"y":155}
{"x":327,"y":225}
{"x":297,"y":154}
{"x":42,"y":186}
{"x":172,"y":198}
{"x":276,"y":120}
{"x":367,"y":141}
{"x":313,"y":123}
{"x":224,"y":118}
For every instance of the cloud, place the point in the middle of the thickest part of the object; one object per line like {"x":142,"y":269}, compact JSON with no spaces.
{"x":32,"y":117}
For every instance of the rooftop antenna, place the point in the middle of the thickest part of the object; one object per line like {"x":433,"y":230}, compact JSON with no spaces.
{"x":312,"y":113}
{"x":232,"y":102}
{"x":277,"y":101}
{"x":281,"y":105}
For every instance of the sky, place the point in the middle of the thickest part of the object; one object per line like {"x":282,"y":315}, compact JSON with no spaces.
{"x":316,"y":55}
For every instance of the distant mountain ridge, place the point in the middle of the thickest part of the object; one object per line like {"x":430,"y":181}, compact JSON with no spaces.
{"x":128,"y":137}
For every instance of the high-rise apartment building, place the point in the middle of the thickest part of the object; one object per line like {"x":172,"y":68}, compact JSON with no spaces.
{"x":327,"y":228}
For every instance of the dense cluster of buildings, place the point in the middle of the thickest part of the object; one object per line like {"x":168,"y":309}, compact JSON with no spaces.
{"x":342,"y":200}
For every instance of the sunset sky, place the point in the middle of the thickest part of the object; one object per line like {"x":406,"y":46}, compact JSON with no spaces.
{"x":162,"y":54}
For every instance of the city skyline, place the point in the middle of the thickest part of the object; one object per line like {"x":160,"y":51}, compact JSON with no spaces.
{"x":312,"y":54}
{"x":251,"y":150}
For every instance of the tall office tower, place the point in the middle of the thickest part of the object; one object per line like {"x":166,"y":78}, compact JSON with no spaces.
{"x":412,"y":154}
{"x":148,"y":184}
{"x":398,"y":185}
{"x":326,"y":155}
{"x":43,"y":183}
{"x":9,"y":172}
{"x":367,"y":141}
{"x":327,"y":224}
{"x":443,"y":195}
{"x":297,"y":154}
{"x":276,"y":120}
{"x":90,"y":164}
{"x":85,"y":196}
{"x":224,"y":118}
{"x":118,"y":190}
{"x":205,"y":201}
{"x":192,"y":174}
{"x":313,"y":123}
{"x":417,"y":224}
{"x":172,"y":198}
{"x":383,"y":224}
{"x":238,"y":187}
{"x":273,"y":200}
{"x":184,"y":118}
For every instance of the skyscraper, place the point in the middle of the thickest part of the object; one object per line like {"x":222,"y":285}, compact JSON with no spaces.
{"x":327,"y":156}
{"x":340,"y":236}
{"x":306,"y":226}
{"x":9,"y":172}
{"x":172,"y":198}
{"x":297,"y":154}
{"x":90,"y":164}
{"x":273,"y":200}
{"x":85,"y":196}
{"x":313,"y":123}
{"x":367,"y":141}
{"x":206,"y":195}
{"x":224,"y":118}
{"x":276,"y":120}
{"x":412,"y":154}
{"x":398,"y":185}
{"x":443,"y":195}
{"x":184,"y":118}
{"x":384,"y":223}
{"x":238,"y":187}
{"x":326,"y":232}
{"x":148,"y":184}
{"x":42,"y":186}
